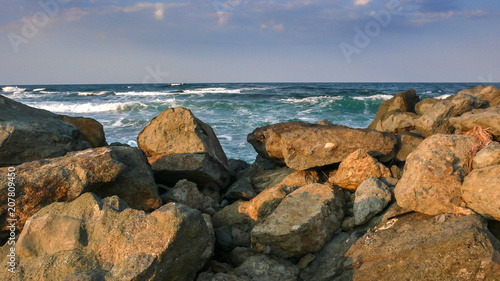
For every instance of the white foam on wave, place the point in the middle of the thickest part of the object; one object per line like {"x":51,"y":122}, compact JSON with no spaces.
{"x":212,"y":91}
{"x":85,"y":107}
{"x":143,"y":93}
{"x":311,"y":100}
{"x":38,"y":89}
{"x":48,"y":92}
{"x":101,"y":93}
{"x":13,"y":89}
{"x":374,"y":97}
{"x":443,"y":97}
{"x":225,"y":137}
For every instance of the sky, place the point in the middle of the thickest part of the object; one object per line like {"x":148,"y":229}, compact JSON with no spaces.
{"x":111,"y":41}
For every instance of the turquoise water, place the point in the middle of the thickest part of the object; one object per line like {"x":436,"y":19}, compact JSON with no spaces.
{"x":233,"y":110}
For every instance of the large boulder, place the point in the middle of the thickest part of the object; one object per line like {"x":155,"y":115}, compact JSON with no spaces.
{"x":481,"y":191}
{"x":490,"y":94}
{"x":404,"y":102}
{"x":436,"y":119}
{"x":303,"y":222}
{"x":107,"y":240}
{"x":396,"y":121}
{"x":433,"y":175}
{"x":92,"y":130}
{"x":407,"y":143}
{"x":356,"y":168}
{"x":199,"y":168}
{"x":28,"y":134}
{"x":488,"y":118}
{"x":424,"y":105}
{"x":419,"y":247}
{"x":106,"y":171}
{"x":371,"y":197}
{"x":303,"y":145}
{"x":178,"y":131}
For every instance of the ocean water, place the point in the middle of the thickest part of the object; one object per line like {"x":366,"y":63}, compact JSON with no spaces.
{"x":233,"y":110}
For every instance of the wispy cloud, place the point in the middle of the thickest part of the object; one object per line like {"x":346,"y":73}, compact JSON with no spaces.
{"x":361,"y":2}
{"x":158,"y":8}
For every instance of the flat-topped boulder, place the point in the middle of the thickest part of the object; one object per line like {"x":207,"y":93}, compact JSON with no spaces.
{"x":178,"y":131}
{"x":106,"y":171}
{"x":28,"y":134}
{"x":490,"y":94}
{"x":487,"y":118}
{"x":303,"y":145}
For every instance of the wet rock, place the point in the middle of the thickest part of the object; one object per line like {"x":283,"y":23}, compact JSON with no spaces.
{"x":372,"y":196}
{"x":302,"y":145}
{"x":28,"y":134}
{"x":106,"y":171}
{"x":303,"y":222}
{"x":415,"y":246}
{"x":433,"y":175}
{"x":357,"y":167}
{"x":481,"y":191}
{"x":92,"y":130}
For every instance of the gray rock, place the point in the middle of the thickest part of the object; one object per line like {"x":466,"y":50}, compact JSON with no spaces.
{"x":224,"y":239}
{"x":187,"y":193}
{"x":372,"y":196}
{"x":241,"y":189}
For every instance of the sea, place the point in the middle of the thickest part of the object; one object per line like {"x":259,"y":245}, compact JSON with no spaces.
{"x":233,"y":110}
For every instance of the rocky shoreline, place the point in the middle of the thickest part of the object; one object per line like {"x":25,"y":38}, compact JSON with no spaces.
{"x":415,"y":196}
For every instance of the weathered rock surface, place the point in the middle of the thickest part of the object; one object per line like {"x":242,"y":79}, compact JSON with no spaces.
{"x":372,"y":196}
{"x":433,"y":175}
{"x":330,"y":261}
{"x":488,"y":118}
{"x":417,"y":247}
{"x":258,"y":267}
{"x":404,"y":102}
{"x":92,"y":130}
{"x":187,"y":193}
{"x":436,"y":119}
{"x":303,"y":145}
{"x":407,"y":143}
{"x":396,"y":121}
{"x":424,"y":105}
{"x":178,"y":131}
{"x":481,"y":191}
{"x":267,"y":178}
{"x":106,"y":171}
{"x":357,"y":167}
{"x":490,"y":94}
{"x":303,"y":222}
{"x":28,"y":134}
{"x":109,"y":241}
{"x":488,"y":156}
{"x":241,"y":189}
{"x":199,"y":168}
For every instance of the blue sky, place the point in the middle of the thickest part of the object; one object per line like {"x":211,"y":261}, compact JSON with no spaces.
{"x":110,"y":41}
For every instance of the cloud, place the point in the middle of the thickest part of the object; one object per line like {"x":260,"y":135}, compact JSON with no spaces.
{"x":158,"y":8}
{"x":361,"y":2}
{"x":271,"y":25}
{"x":74,"y":14}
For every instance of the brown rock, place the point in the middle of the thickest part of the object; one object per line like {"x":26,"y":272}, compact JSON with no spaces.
{"x":424,"y":105}
{"x":488,"y":118}
{"x":107,"y":239}
{"x":303,"y":145}
{"x":28,"y":134}
{"x":481,"y":191}
{"x":178,"y":131}
{"x":267,"y":178}
{"x":433,"y":175}
{"x":303,"y":222}
{"x":92,"y":131}
{"x":436,"y":119}
{"x":106,"y":171}
{"x":396,"y":121}
{"x":199,"y":168}
{"x":404,"y":102}
{"x":187,"y":193}
{"x":407,"y":143}
{"x":356,"y":168}
{"x":417,"y":247}
{"x":488,"y":156}
{"x":490,"y":94}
